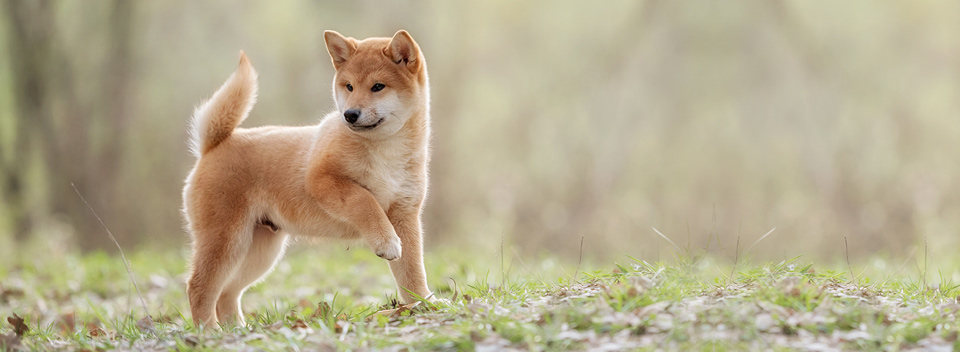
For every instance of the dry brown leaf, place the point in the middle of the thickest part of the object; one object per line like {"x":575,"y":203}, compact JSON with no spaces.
{"x":19,"y":327}
{"x":304,"y":303}
{"x":299,"y":324}
{"x":145,"y":324}
{"x":396,"y":312}
{"x":323,"y":310}
{"x":97,"y":332}
{"x":68,"y":323}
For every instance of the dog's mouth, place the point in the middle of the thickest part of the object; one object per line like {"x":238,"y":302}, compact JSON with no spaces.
{"x":366,"y":127}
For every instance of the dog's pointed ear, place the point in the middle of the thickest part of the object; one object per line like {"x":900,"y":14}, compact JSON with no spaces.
{"x":404,"y":51}
{"x":340,"y":47}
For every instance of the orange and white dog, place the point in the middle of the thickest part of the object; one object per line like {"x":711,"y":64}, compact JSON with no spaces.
{"x":360,"y":174}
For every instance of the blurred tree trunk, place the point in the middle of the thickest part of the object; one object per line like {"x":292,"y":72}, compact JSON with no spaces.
{"x":77,"y":134}
{"x":29,"y":32}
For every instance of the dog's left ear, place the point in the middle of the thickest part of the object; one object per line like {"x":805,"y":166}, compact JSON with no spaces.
{"x":404,"y":51}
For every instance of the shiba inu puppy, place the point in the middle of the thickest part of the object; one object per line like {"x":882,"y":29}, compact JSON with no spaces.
{"x":361,"y":173}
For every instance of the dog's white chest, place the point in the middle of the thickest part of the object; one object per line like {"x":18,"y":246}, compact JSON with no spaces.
{"x":388,"y":177}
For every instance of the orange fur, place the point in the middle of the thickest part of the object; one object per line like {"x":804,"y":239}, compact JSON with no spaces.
{"x":361,"y":178}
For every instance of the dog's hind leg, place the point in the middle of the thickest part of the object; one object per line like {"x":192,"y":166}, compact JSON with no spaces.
{"x":265,"y":251}
{"x":218,"y":248}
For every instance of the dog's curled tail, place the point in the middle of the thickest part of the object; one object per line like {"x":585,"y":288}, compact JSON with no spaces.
{"x":215,"y":119}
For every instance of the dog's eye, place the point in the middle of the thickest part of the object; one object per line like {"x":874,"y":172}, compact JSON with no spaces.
{"x":377,"y":87}
{"x":349,"y":87}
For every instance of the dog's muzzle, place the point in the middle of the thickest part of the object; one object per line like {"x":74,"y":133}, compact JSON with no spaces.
{"x":358,"y":127}
{"x":352,"y":117}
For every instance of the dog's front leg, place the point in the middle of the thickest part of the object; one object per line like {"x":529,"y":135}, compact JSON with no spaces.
{"x":349,"y":202}
{"x":408,"y":271}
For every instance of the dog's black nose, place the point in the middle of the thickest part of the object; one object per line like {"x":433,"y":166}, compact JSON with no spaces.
{"x":351,"y":115}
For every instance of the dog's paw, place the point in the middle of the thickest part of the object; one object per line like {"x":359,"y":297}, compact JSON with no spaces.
{"x":436,"y":300}
{"x":388,"y":248}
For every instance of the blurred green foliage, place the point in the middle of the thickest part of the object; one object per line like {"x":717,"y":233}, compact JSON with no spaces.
{"x":711,"y":121}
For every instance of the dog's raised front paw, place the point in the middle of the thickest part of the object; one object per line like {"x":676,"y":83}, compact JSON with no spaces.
{"x":388,"y":248}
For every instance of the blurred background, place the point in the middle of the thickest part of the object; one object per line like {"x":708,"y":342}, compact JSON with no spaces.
{"x":713,"y":122}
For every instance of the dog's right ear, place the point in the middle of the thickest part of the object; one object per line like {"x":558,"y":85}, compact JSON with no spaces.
{"x":340,"y":48}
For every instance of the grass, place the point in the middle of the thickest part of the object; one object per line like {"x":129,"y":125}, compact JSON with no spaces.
{"x":326,"y":299}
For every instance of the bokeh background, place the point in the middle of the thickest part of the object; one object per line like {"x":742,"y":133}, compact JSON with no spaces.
{"x":713,"y":122}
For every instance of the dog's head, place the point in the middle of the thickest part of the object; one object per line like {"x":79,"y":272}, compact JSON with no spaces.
{"x":380,"y":82}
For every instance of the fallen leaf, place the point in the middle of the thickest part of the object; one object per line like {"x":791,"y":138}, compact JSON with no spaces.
{"x":299,"y":324}
{"x":393,"y":313}
{"x":145,"y":324}
{"x":97,"y":332}
{"x":323,"y":310}
{"x":19,"y":326}
{"x":68,"y":323}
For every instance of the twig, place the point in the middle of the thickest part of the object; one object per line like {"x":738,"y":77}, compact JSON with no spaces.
{"x":846,"y":249}
{"x":760,"y":239}
{"x":519,"y":259}
{"x":668,"y":240}
{"x":122,"y":257}
{"x":925,"y":261}
{"x":456,"y":290}
{"x":911,"y":255}
{"x":503,"y":275}
{"x":715,"y":232}
{"x":736,"y":258}
{"x":579,"y":259}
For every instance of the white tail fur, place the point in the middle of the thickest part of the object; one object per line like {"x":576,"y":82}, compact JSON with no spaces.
{"x":215,"y":119}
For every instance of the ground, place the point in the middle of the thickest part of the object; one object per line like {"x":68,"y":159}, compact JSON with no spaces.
{"x":328,"y":299}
